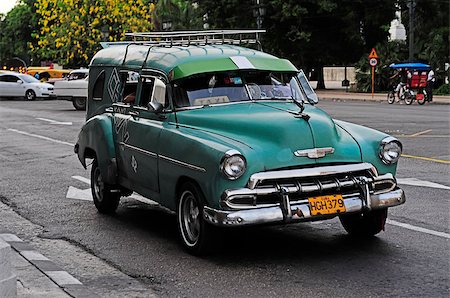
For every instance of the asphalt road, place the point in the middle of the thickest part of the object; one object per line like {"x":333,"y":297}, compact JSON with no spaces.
{"x":411,"y":258}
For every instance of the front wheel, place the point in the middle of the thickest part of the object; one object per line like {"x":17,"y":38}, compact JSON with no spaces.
{"x":30,"y":95}
{"x":196,"y":234}
{"x":366,"y":224}
{"x":79,"y":103}
{"x":391,"y":97}
{"x":106,"y":199}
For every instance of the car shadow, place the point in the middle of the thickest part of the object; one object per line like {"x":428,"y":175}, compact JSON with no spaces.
{"x":295,"y":242}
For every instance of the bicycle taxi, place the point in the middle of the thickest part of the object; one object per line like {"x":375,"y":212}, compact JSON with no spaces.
{"x":415,"y":86}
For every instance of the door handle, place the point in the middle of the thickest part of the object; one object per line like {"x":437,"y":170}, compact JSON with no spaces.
{"x":133,"y":113}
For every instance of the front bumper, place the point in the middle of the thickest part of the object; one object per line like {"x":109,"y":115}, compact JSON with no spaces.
{"x":299,"y":211}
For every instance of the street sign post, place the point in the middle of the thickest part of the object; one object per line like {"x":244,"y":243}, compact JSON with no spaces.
{"x":373,"y":61}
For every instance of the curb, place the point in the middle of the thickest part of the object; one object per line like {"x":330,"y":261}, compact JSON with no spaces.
{"x":376,"y":100}
{"x":61,"y":278}
{"x":8,"y":280}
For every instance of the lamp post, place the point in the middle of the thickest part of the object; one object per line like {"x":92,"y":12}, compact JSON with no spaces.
{"x":23,"y":62}
{"x":167,"y":25}
{"x":105,"y":33}
{"x":259,"y":11}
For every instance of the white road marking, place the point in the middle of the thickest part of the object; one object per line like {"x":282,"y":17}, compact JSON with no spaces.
{"x":54,"y":121}
{"x":79,"y":194}
{"x":82,"y":179}
{"x":417,"y":229}
{"x":86,"y":194}
{"x":40,"y":137}
{"x":423,"y":183}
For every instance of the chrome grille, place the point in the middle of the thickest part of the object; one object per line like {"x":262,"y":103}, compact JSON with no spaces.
{"x":266,"y":188}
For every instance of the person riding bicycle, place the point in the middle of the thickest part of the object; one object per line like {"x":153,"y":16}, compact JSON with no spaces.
{"x":403,"y":74}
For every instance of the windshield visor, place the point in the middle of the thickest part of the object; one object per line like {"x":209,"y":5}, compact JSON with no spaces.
{"x":227,"y":87}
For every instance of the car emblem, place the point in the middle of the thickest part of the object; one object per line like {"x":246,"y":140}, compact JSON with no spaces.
{"x":315,"y":152}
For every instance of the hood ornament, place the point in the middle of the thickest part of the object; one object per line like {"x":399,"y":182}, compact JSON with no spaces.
{"x":314,"y":152}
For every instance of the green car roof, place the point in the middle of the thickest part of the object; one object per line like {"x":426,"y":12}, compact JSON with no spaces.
{"x":182,"y":61}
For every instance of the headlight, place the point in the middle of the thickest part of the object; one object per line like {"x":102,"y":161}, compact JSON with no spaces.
{"x":233,"y":164}
{"x":390,"y":150}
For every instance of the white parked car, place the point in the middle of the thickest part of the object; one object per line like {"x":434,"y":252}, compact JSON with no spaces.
{"x":14,"y":84}
{"x":74,"y":88}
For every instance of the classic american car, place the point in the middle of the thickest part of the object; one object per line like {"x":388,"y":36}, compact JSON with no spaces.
{"x":227,"y":136}
{"x":74,"y":88}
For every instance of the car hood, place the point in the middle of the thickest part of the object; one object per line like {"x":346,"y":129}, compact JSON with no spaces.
{"x":268,"y":133}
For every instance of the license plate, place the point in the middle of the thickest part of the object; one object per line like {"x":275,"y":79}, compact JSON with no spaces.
{"x":326,"y":205}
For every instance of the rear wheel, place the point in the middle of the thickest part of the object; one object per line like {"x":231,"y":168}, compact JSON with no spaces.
{"x":30,"y":95}
{"x":391,"y":97}
{"x":79,"y":103}
{"x":423,"y":99}
{"x":409,"y":98}
{"x":105,"y":199}
{"x":366,"y":224}
{"x":195,"y":233}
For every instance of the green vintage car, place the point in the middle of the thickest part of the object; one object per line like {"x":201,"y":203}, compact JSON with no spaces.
{"x":227,"y":136}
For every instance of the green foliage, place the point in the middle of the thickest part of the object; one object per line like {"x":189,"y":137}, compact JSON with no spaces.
{"x":444,"y":89}
{"x":15,"y":32}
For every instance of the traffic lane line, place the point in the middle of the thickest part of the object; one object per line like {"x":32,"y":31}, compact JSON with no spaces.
{"x":40,"y":137}
{"x":54,"y":121}
{"x":421,"y":183}
{"x":417,"y":229}
{"x":427,"y":158}
{"x":421,"y":133}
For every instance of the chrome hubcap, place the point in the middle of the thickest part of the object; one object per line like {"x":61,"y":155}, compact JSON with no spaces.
{"x":189,"y":218}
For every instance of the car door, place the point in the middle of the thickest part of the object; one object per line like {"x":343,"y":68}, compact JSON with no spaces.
{"x":10,"y":86}
{"x":145,"y":127}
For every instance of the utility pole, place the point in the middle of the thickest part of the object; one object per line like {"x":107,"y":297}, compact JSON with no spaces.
{"x":411,"y":6}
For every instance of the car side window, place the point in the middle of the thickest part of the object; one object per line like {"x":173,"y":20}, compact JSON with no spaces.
{"x":98,"y":87}
{"x":3,"y":79}
{"x":129,"y":82}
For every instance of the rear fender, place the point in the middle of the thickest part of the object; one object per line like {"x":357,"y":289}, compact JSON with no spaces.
{"x":96,"y":140}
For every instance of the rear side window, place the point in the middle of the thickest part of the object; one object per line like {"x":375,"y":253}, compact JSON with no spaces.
{"x":98,"y":87}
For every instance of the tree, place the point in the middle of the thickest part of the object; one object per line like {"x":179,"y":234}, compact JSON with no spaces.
{"x":310,"y":33}
{"x":71,"y":30}
{"x":15,"y":32}
{"x":181,"y":14}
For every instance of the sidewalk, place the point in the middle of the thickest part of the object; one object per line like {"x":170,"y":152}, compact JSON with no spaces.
{"x":37,"y":276}
{"x":341,"y":94}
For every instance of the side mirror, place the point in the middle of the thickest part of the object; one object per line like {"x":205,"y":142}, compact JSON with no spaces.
{"x":155,"y":106}
{"x":311,"y":96}
{"x":19,"y":82}
{"x":158,"y":96}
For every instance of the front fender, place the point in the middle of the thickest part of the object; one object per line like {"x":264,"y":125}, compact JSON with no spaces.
{"x":369,"y":141}
{"x":96,"y":140}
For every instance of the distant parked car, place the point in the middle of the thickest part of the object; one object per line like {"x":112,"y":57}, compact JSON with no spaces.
{"x":14,"y":84}
{"x":74,"y":88}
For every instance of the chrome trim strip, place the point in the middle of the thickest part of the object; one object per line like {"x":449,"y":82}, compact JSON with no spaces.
{"x":257,"y":178}
{"x":300,"y":211}
{"x":151,"y":154}
{"x":183,"y":164}
{"x":174,"y":161}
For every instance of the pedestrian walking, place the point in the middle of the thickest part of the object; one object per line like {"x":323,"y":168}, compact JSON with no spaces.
{"x":430,"y":84}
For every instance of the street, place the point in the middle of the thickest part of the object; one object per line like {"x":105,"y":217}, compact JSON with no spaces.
{"x":42,"y":180}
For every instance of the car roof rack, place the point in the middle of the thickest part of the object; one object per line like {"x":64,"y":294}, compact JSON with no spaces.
{"x":187,"y":38}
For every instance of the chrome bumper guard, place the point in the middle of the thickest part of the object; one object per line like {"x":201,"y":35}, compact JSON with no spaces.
{"x":366,"y":199}
{"x":299,"y":211}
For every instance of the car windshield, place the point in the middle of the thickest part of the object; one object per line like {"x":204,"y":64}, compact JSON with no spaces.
{"x":28,"y":79}
{"x":225,"y":87}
